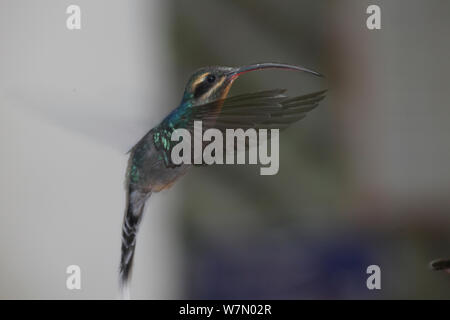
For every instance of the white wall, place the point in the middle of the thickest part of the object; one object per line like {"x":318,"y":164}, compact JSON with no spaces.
{"x":71,"y":105}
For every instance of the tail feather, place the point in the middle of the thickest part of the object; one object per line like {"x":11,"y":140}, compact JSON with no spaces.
{"x":133,"y":216}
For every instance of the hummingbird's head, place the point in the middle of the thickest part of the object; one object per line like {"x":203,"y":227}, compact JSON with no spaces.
{"x":212,"y":83}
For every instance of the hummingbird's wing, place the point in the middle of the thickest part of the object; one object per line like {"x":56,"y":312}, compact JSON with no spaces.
{"x":270,"y":109}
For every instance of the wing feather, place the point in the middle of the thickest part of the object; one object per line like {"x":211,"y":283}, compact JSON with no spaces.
{"x":267,"y":109}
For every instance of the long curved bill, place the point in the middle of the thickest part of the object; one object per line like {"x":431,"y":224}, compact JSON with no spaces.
{"x":269,"y":65}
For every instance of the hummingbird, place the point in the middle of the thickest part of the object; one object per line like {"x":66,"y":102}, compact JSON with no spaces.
{"x":205,"y":99}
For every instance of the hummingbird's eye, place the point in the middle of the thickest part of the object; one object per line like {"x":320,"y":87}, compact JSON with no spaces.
{"x":204,"y":86}
{"x":210,"y":78}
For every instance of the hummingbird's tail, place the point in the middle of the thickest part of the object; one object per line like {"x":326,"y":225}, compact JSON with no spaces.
{"x":133,"y":215}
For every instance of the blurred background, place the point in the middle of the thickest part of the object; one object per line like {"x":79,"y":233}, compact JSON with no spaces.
{"x":363,"y":180}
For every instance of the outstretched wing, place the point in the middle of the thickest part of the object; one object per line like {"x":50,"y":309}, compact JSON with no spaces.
{"x":270,"y":109}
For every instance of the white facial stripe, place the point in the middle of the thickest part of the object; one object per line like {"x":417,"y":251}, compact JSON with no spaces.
{"x":200,"y":79}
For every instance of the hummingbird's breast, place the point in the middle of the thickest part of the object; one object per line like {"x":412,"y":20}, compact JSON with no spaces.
{"x":148,"y":169}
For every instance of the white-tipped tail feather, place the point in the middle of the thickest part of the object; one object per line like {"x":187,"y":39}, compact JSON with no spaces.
{"x":133,"y":216}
